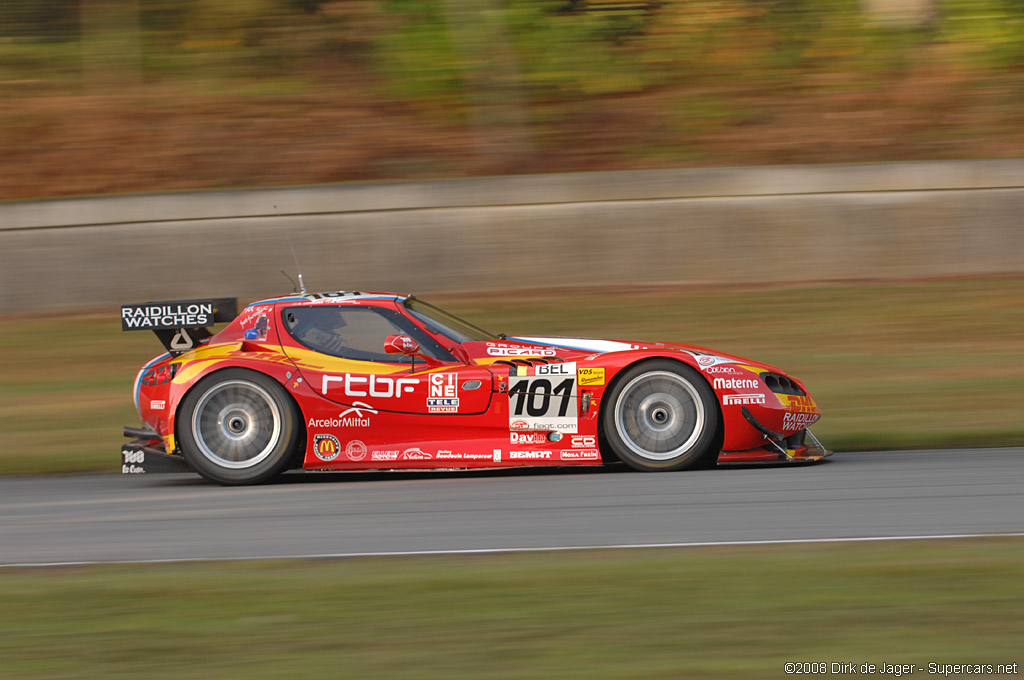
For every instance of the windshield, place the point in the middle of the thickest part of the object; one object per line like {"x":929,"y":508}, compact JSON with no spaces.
{"x":439,"y":321}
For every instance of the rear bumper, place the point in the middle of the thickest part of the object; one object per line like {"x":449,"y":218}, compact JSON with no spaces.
{"x":145,"y":454}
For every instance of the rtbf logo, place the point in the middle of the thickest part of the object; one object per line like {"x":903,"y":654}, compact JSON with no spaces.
{"x":379,"y":386}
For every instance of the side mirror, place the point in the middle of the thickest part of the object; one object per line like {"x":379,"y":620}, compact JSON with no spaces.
{"x":401,"y":344}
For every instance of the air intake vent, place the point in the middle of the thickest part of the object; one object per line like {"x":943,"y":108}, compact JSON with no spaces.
{"x":780,"y":384}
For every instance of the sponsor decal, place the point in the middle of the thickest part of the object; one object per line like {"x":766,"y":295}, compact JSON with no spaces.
{"x":384,"y":455}
{"x":333,"y":301}
{"x":736,"y":384}
{"x":181,"y":341}
{"x":346,"y":418}
{"x":259,"y":330}
{"x":540,"y":403}
{"x":453,"y":455}
{"x":326,"y":446}
{"x":415,"y":453}
{"x":166,"y":316}
{"x":798,"y":421}
{"x":722,"y":369}
{"x":586,"y":344}
{"x":253,"y":312}
{"x":566,"y":368}
{"x":591,"y":376}
{"x":335,"y":295}
{"x":132,"y":461}
{"x":734,"y":399}
{"x":506,"y":351}
{"x":585,"y":454}
{"x":442,"y":405}
{"x":355,"y":450}
{"x":583,"y":441}
{"x":497,"y":455}
{"x":705,"y":360}
{"x":378,"y":386}
{"x":358,"y":407}
{"x":530,"y":455}
{"x":525,"y":438}
{"x":799,"y":404}
{"x":406,"y":344}
{"x":158,"y":405}
{"x":443,"y":385}
{"x":137,"y":457}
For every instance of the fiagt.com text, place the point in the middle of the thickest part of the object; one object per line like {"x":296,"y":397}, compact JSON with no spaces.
{"x":898,"y":669}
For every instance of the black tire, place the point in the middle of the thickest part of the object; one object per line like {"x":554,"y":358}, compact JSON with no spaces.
{"x":661,"y":415}
{"x":238,"y":427}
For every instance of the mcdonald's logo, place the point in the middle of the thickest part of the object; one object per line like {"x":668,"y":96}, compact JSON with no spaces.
{"x":326,"y":446}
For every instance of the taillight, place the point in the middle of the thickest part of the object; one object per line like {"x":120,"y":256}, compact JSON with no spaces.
{"x":158,"y":375}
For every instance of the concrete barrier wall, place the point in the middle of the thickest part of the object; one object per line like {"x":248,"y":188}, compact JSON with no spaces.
{"x":719,"y":225}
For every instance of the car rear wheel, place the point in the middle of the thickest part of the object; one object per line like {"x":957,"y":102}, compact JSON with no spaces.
{"x":661,"y":415}
{"x":238,"y":427}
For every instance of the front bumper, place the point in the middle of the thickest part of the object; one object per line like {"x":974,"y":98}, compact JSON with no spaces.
{"x":778,"y":447}
{"x":771,"y":454}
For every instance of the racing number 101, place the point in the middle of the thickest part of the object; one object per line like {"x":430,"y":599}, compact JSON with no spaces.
{"x":528,"y":392}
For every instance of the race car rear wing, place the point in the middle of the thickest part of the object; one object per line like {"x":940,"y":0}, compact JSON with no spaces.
{"x":180,"y":324}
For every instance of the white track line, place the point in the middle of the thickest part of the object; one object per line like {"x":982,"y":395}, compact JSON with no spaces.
{"x":498,"y":551}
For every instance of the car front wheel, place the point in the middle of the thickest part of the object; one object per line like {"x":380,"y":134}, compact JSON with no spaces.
{"x":661,"y":415}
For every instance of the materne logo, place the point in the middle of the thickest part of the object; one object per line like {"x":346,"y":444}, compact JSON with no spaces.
{"x":736,"y":384}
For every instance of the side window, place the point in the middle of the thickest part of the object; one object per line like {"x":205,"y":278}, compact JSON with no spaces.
{"x":356,"y":333}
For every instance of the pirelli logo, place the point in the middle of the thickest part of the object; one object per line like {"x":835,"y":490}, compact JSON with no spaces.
{"x":736,"y":399}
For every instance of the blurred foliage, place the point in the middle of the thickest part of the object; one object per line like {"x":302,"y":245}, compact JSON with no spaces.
{"x":991,"y":31}
{"x":564,"y":48}
{"x":499,"y":86}
{"x":50,"y":20}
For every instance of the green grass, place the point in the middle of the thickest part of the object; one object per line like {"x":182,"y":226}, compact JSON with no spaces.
{"x":710,"y":612}
{"x":894,"y":365}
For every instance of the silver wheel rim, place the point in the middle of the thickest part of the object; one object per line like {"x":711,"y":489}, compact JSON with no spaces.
{"x":236,"y":424}
{"x":659,"y":415}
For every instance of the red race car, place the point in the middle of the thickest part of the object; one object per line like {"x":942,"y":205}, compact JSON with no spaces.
{"x":355,"y":381}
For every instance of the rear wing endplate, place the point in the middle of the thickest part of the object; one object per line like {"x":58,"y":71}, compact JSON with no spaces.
{"x":180,"y":324}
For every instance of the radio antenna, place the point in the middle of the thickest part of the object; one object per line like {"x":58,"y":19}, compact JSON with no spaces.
{"x":295,"y":288}
{"x":298,"y":269}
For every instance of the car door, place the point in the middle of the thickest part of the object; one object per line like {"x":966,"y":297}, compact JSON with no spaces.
{"x":340,"y":352}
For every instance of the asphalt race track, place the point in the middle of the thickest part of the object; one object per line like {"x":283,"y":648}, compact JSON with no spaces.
{"x":82,"y":518}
